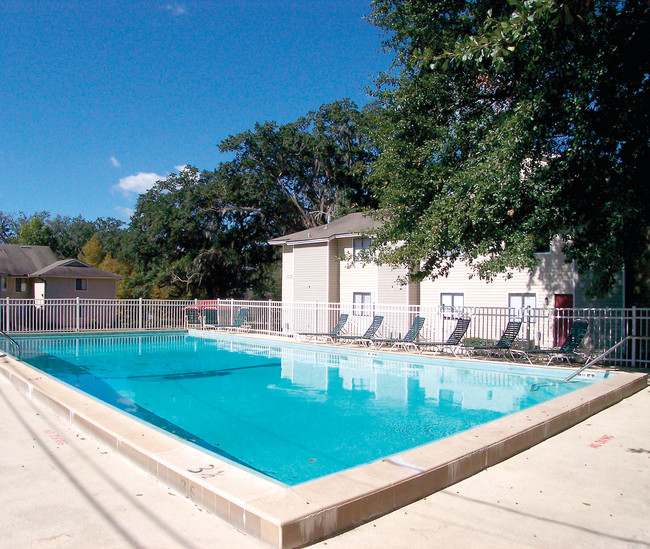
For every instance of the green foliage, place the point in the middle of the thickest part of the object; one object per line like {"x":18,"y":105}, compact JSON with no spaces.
{"x":185,"y":243}
{"x":505,"y":123}
{"x":34,"y":232}
{"x":9,"y":226}
{"x":92,"y":253}
{"x":299,"y":174}
{"x":70,"y":235}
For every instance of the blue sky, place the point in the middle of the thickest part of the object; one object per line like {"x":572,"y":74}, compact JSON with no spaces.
{"x":100,"y":99}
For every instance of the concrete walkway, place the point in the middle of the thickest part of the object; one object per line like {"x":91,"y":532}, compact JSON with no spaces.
{"x":586,"y":487}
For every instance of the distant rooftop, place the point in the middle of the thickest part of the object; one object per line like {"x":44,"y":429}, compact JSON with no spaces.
{"x":40,"y":261}
{"x":21,"y":261}
{"x":353,"y":224}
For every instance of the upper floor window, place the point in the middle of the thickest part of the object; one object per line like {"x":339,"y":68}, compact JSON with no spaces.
{"x":4,"y":284}
{"x":82,"y":284}
{"x":360,"y":244}
{"x":21,"y":285}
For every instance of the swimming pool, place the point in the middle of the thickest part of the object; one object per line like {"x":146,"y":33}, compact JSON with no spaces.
{"x":289,"y":412}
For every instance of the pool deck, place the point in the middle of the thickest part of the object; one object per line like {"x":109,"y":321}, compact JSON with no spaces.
{"x":587,"y":486}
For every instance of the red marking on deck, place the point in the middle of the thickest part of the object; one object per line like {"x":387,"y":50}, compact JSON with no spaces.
{"x":602,"y":440}
{"x":60,"y":441}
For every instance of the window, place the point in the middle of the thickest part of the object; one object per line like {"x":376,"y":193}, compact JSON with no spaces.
{"x":522,"y":303}
{"x":361,"y":304}
{"x":82,"y":284}
{"x":360,"y":244}
{"x":21,"y":285}
{"x":452,"y":305}
{"x":4,"y":284}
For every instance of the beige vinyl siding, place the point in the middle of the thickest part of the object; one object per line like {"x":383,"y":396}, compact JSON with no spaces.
{"x":287,"y":273}
{"x":389,"y":289}
{"x":414,"y":294}
{"x":309,"y":272}
{"x":355,"y":277}
{"x":478,"y":293}
{"x":552,"y":276}
{"x":334,"y":268}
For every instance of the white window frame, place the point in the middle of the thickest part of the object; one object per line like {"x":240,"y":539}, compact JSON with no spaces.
{"x":523,"y":303}
{"x":452,"y":304}
{"x":81,"y":284}
{"x":361,"y":303}
{"x":358,"y":245}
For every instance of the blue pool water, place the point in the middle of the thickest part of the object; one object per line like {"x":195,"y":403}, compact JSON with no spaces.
{"x":291,"y":412}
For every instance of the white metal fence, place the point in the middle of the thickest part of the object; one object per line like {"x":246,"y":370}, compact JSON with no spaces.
{"x":543,"y":328}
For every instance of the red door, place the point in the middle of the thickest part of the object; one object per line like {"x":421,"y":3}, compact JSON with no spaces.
{"x":563,"y":319}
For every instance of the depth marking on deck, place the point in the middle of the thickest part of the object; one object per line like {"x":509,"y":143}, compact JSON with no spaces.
{"x":602,"y":440}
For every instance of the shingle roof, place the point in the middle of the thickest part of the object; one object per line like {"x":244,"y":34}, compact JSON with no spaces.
{"x":352,"y":224}
{"x":40,"y":261}
{"x":21,"y":261}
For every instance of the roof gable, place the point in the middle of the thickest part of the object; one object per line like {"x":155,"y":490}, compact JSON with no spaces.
{"x":349,"y":225}
{"x":73,"y":268}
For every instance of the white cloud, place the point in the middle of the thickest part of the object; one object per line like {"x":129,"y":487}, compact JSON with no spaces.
{"x":176,"y":9}
{"x":126,"y":213}
{"x":115,"y":162}
{"x":179,"y":169}
{"x":139,"y":183}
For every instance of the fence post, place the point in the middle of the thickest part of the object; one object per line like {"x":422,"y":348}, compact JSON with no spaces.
{"x":139,"y":313}
{"x":269,"y":317}
{"x":634,"y":341}
{"x":7,"y":328}
{"x":77,"y":314}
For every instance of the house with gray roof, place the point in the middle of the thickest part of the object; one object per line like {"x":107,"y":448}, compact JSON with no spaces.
{"x":34,"y":272}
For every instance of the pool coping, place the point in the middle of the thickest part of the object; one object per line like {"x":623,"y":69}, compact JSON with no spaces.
{"x":287,"y":517}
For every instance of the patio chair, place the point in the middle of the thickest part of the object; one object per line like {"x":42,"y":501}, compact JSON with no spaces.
{"x":365,"y":338}
{"x":407,"y":340}
{"x":193,"y":317}
{"x":238,"y":324}
{"x":343,"y":318}
{"x":567,"y":350}
{"x":210,"y":319}
{"x":453,"y":342}
{"x":504,"y":345}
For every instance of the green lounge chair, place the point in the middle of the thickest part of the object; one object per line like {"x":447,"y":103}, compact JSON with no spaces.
{"x":239,"y":324}
{"x":327,"y":335}
{"x":568,"y":349}
{"x":453,"y":342}
{"x":407,"y":340}
{"x":503,"y":346}
{"x":365,"y":338}
{"x":210,"y":319}
{"x":193,"y":317}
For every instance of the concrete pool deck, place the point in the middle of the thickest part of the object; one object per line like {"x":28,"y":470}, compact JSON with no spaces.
{"x":62,"y":488}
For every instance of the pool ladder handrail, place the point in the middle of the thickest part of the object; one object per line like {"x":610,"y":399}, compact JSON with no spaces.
{"x":12,"y":340}
{"x":593,"y":361}
{"x":590,"y":362}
